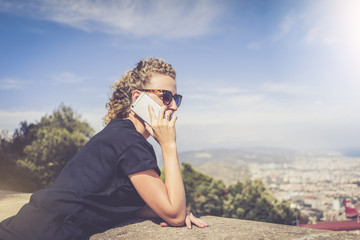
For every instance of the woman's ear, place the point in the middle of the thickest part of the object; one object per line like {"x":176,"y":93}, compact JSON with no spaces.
{"x":135,"y":94}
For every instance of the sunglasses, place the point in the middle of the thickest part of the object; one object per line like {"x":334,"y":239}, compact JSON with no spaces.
{"x":167,"y":96}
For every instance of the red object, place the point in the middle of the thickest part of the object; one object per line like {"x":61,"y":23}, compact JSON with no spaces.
{"x":334,"y":226}
{"x":350,"y":210}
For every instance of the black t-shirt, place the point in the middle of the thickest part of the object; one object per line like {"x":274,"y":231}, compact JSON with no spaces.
{"x":92,"y":193}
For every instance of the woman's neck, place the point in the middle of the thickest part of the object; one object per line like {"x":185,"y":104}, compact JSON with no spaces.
{"x":139,"y":124}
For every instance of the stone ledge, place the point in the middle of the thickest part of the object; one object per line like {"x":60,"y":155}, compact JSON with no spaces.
{"x":220,"y":228}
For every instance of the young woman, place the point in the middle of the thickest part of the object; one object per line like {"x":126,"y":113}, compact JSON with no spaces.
{"x":115,"y":175}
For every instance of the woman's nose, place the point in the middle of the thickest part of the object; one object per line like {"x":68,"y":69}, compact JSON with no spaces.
{"x":172,"y":106}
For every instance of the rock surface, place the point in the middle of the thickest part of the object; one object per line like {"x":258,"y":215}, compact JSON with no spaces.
{"x":11,"y":202}
{"x":220,"y":228}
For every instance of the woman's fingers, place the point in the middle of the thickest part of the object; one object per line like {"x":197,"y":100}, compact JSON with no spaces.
{"x":200,"y":223}
{"x":197,"y":221}
{"x":173,"y":120}
{"x":162,"y":128}
{"x":164,"y":224}
{"x":161,"y":113}
{"x":167,"y":115}
{"x":149,"y":129}
{"x":152,"y":114}
{"x":188,"y":221}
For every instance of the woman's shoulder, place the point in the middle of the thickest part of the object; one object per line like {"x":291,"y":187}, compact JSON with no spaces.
{"x":119,"y":132}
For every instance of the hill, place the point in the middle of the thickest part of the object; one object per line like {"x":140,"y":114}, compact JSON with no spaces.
{"x":231,"y":165}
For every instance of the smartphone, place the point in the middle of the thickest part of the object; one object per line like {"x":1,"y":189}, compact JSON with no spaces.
{"x":141,"y":107}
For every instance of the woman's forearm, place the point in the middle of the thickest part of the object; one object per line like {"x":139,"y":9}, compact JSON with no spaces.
{"x":173,"y":181}
{"x":166,"y":199}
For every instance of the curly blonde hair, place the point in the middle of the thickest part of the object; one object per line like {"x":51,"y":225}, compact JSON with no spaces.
{"x":137,"y":78}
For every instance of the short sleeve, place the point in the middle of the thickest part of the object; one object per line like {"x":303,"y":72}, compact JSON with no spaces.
{"x":138,"y":157}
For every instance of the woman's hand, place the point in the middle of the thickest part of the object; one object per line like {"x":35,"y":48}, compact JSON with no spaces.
{"x":167,"y":199}
{"x":190,"y":219}
{"x":163,"y":127}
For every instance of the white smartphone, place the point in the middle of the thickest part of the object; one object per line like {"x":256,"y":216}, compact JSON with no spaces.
{"x":140,"y":107}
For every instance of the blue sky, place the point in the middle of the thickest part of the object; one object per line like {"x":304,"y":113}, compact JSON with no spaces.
{"x":256,"y":73}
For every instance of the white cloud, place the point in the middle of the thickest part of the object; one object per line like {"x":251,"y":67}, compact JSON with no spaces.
{"x":290,"y":23}
{"x":335,"y":19}
{"x":226,"y":91}
{"x":68,"y":77}
{"x":268,"y":114}
{"x":295,"y":114}
{"x":208,"y":92}
{"x":167,"y":19}
{"x":10,"y":120}
{"x":94,"y":118}
{"x":286,"y":88}
{"x":335,"y":24}
{"x":10,"y":83}
{"x":255,"y":45}
{"x":330,"y":23}
{"x":304,"y":125}
{"x":287,"y":25}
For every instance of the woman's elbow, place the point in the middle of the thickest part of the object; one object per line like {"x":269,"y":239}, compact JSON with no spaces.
{"x":176,"y":219}
{"x":176,"y":222}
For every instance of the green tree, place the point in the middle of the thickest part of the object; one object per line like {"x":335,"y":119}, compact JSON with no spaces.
{"x":233,"y":207}
{"x":5,"y":143}
{"x":250,"y":200}
{"x":22,"y":137}
{"x":253,"y":201}
{"x":57,"y":138}
{"x":12,"y":148}
{"x":12,"y":176}
{"x":204,"y":195}
{"x":209,"y":199}
{"x":65,"y":117}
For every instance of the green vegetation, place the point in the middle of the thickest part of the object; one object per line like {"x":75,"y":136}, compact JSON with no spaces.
{"x":35,"y":154}
{"x":250,"y":200}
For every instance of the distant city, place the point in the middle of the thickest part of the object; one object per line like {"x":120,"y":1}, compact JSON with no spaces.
{"x":316,"y":183}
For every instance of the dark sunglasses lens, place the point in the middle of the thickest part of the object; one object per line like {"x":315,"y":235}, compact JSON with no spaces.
{"x":167,"y":97}
{"x":178,"y":99}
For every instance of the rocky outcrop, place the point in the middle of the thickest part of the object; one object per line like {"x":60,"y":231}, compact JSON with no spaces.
{"x":11,"y":202}
{"x":220,"y":228}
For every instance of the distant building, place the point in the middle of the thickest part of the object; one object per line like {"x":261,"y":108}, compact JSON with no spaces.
{"x":336,"y":204}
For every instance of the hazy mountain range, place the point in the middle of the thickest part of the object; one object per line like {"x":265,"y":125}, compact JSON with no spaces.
{"x":231,"y":165}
